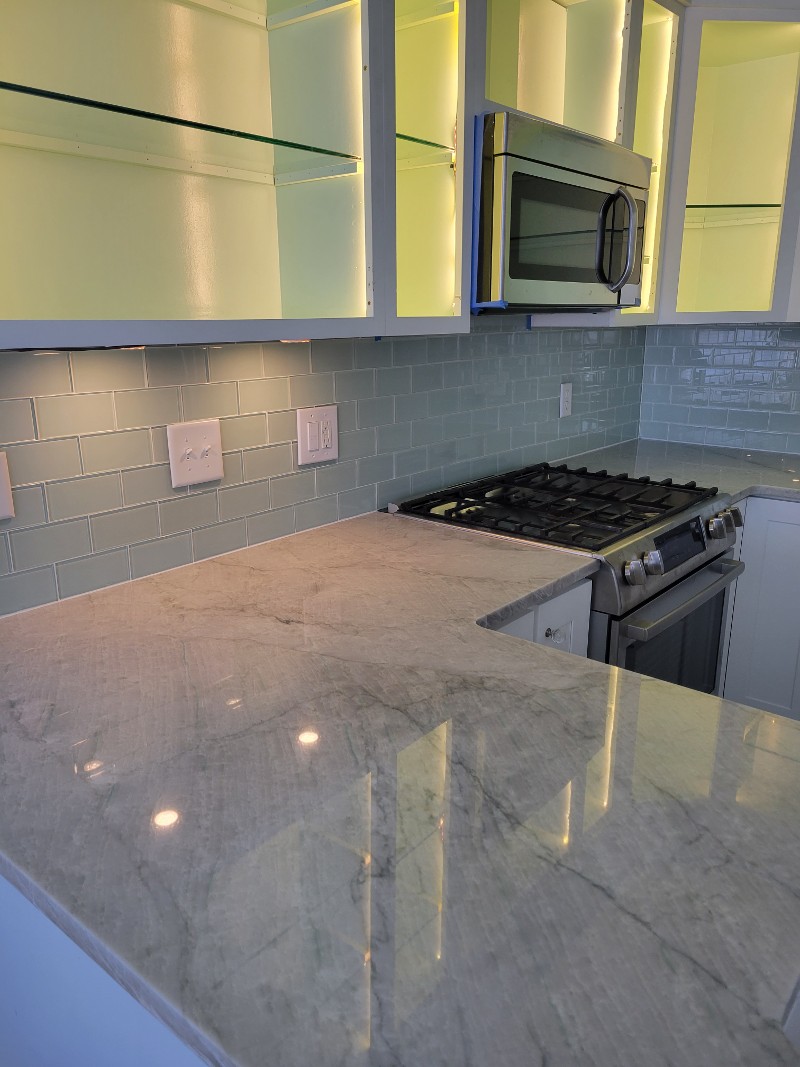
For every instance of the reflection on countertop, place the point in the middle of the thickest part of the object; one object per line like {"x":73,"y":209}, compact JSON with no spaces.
{"x":297,"y":801}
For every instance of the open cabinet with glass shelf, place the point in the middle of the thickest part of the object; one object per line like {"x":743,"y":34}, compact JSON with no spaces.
{"x":184,"y":160}
{"x":428,"y":194}
{"x":744,"y":117}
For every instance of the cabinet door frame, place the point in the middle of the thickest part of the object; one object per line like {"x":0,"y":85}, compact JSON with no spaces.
{"x":786,"y":293}
{"x":382,"y":26}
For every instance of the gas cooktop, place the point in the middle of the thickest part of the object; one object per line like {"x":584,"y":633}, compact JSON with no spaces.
{"x":579,"y":508}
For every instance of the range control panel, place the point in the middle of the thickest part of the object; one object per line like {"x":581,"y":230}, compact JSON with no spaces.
{"x":679,"y":545}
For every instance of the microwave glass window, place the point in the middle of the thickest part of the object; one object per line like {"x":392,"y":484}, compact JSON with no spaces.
{"x":553,"y":232}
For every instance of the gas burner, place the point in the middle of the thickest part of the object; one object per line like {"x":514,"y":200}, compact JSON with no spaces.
{"x":576,"y":508}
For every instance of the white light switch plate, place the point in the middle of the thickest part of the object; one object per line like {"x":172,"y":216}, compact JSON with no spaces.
{"x":195,"y":452}
{"x":317,"y":434}
{"x":6,"y":500}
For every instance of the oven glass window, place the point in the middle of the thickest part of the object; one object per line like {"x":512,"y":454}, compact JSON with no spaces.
{"x":553,"y":235}
{"x":687,"y":653}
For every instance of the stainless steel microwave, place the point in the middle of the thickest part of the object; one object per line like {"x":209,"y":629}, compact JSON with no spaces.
{"x":559,"y":217}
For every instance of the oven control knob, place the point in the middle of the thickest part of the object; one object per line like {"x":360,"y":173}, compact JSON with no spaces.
{"x":730,"y":522}
{"x":634,"y":572}
{"x":653,"y":562}
{"x":736,"y":515}
{"x":716,"y":527}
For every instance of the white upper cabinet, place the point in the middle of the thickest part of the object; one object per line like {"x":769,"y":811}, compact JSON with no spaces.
{"x":167,"y":165}
{"x":603,"y":67}
{"x":733,"y":211}
{"x":178,"y":171}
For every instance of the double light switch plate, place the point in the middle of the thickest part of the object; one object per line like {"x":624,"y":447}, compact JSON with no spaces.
{"x":317,"y":434}
{"x":195,"y":452}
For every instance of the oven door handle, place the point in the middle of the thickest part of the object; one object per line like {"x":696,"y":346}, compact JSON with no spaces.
{"x":703,"y":585}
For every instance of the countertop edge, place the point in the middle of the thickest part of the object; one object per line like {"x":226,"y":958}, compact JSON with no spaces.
{"x":507,"y":612}
{"x":114,"y":965}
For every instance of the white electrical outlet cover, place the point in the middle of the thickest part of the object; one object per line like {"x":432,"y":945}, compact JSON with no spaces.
{"x":195,"y":452}
{"x":6,"y":499}
{"x":565,"y":404}
{"x":317,"y":434}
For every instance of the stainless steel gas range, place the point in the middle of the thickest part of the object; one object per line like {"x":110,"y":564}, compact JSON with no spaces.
{"x":665,"y":551}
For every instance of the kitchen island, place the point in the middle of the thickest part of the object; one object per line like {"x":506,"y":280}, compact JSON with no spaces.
{"x":307,"y":811}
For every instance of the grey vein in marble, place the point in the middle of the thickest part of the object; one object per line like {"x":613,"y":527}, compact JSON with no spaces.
{"x":402,"y":839}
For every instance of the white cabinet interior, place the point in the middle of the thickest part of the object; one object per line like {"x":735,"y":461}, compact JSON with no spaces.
{"x":764,"y":647}
{"x":182,"y":160}
{"x":560,"y":60}
{"x":428,"y":222}
{"x":562,"y":621}
{"x":744,"y":116}
{"x":654,"y":95}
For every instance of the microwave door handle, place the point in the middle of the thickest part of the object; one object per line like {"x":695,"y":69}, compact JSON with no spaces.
{"x":633,"y":232}
{"x":643,"y":626}
{"x":600,"y":241}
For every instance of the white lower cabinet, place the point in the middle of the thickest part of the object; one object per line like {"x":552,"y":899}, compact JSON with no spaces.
{"x":562,"y":622}
{"x":764,"y":648}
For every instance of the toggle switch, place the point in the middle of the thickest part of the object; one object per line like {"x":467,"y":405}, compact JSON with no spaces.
{"x":195,"y":452}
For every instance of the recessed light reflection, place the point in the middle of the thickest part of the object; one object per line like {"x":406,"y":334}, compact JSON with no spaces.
{"x":308,"y":737}
{"x":92,"y":766}
{"x":236,"y":702}
{"x":166,"y":819}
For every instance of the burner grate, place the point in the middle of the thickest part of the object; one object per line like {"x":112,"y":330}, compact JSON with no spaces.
{"x":574,"y":508}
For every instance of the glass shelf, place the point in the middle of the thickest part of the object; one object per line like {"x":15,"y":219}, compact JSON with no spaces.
{"x":730,"y":207}
{"x":250,"y":11}
{"x":38,"y":118}
{"x":410,"y":13}
{"x":414,"y":152}
{"x":744,"y":108}
{"x":288,"y":12}
{"x":129,"y":215}
{"x":710,"y":216}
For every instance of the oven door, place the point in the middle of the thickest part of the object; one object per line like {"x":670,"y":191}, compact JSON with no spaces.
{"x":566,"y":238}
{"x":677,"y":636}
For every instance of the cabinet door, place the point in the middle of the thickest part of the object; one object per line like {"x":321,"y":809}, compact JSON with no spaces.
{"x":764,"y":649}
{"x":732,"y":218}
{"x":562,"y":622}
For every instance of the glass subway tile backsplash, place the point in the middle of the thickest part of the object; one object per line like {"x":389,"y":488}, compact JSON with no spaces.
{"x":730,"y":386}
{"x":85,"y":436}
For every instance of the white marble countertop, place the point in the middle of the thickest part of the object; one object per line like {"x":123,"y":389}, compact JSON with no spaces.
{"x":486,"y":851}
